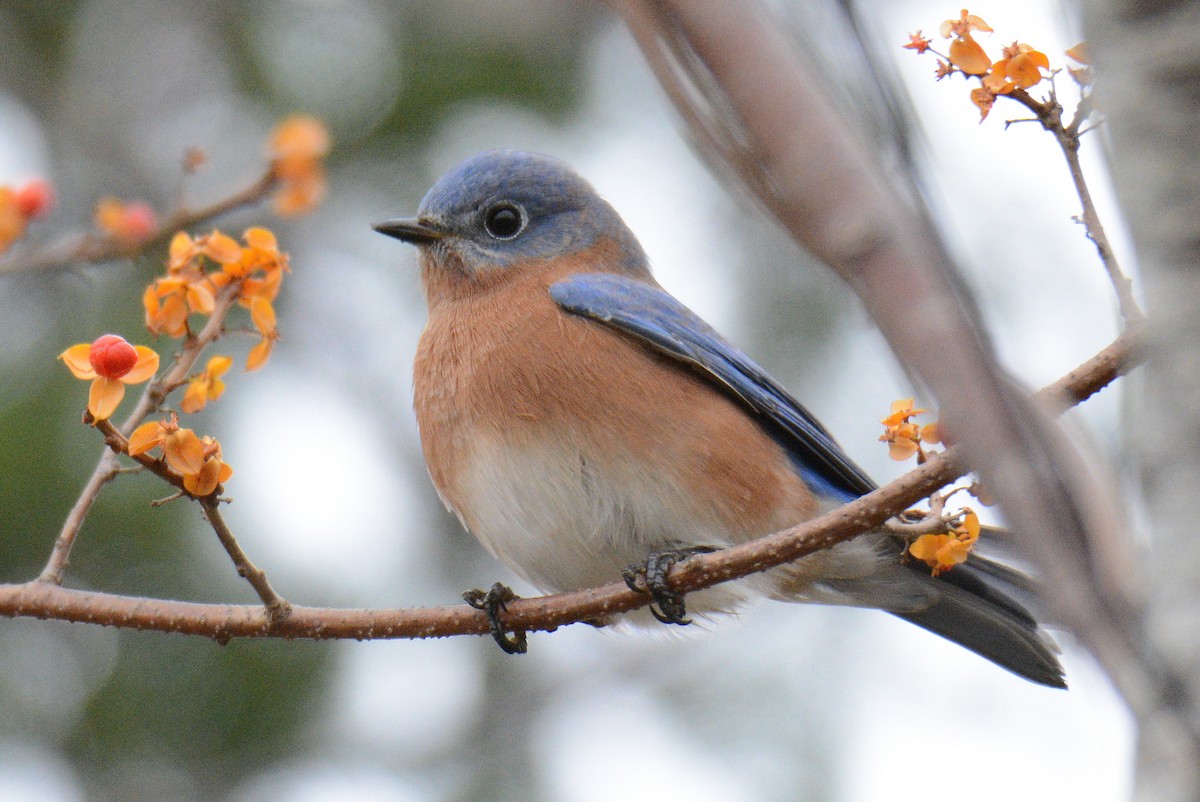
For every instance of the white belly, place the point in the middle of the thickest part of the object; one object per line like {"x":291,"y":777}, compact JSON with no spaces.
{"x":563,"y":521}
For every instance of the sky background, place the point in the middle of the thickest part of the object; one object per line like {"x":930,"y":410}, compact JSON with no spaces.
{"x":331,"y":497}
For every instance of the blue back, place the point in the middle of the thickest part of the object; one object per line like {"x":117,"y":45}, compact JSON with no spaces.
{"x":658,"y":319}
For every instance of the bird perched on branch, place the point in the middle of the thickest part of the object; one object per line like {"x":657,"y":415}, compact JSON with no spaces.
{"x":580,"y":420}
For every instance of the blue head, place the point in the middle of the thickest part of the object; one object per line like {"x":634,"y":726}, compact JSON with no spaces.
{"x":504,"y":207}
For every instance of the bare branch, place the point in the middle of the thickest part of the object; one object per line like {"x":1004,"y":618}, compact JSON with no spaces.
{"x":1049,"y":114}
{"x":277,"y":607}
{"x":60,"y":555}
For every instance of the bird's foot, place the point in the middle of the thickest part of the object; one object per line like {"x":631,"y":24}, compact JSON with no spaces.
{"x":651,"y":577}
{"x":494,"y":602}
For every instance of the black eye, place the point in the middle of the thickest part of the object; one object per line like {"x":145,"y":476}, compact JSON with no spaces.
{"x":504,"y":221}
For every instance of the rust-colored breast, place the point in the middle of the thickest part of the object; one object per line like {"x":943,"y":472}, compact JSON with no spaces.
{"x":505,"y":371}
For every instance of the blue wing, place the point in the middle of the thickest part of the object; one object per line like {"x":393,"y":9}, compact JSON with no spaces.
{"x":651,"y":315}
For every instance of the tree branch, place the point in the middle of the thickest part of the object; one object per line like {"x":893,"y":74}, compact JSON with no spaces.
{"x":46,"y":600}
{"x":1068,"y":137}
{"x":277,"y":607}
{"x":94,"y":247}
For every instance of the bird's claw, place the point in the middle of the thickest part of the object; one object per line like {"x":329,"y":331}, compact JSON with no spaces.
{"x":651,"y":577}
{"x":494,"y":601}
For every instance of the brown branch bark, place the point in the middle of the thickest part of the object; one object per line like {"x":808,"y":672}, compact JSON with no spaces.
{"x":1069,"y":139}
{"x":277,"y":607}
{"x":46,"y":600}
{"x":94,"y":247}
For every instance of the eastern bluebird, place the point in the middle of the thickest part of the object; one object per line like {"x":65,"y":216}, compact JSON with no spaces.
{"x":578,"y":419}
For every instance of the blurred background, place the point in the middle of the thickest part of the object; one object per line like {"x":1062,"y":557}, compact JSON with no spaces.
{"x":331,"y":498}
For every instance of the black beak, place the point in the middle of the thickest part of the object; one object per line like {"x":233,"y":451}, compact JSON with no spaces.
{"x":409,"y":229}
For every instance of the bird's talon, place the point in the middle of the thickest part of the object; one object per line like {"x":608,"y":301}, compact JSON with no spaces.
{"x":664,"y":619}
{"x":635,"y":578}
{"x":651,"y":577}
{"x":493,"y":602}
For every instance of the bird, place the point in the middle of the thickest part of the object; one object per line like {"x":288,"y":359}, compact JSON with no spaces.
{"x":583,"y":424}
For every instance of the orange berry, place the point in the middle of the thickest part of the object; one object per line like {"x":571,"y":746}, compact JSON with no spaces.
{"x":111,"y":356}
{"x":129,"y":223}
{"x":35,"y":199}
{"x":140,"y":222}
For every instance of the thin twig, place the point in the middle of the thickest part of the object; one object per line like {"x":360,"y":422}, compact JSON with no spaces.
{"x":1068,"y":139}
{"x":913,"y":523}
{"x":1122,"y":285}
{"x":277,"y":607}
{"x":60,"y":555}
{"x":94,"y":247}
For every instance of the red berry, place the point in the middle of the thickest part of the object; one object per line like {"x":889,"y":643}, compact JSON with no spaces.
{"x":139,"y":223}
{"x":35,"y":199}
{"x":112,"y":356}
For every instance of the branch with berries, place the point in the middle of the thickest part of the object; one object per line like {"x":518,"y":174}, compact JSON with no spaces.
{"x":294,"y":180}
{"x":1021,"y":68}
{"x":206,"y":278}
